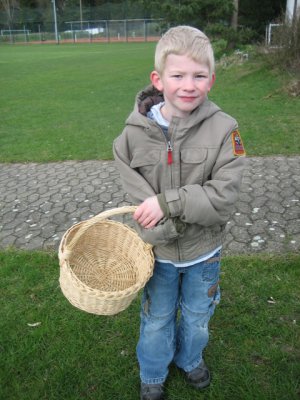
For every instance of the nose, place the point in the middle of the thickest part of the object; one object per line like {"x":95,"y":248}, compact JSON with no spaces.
{"x":188,"y":84}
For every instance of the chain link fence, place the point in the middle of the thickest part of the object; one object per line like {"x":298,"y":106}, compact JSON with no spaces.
{"x":126,"y":30}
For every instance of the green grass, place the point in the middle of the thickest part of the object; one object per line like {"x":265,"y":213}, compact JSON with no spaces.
{"x":70,"y":101}
{"x":267,"y":115}
{"x":67,"y":102}
{"x":253,"y":353}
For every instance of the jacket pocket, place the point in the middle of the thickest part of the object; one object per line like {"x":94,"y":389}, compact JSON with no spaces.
{"x":147,"y":163}
{"x":144,"y":157}
{"x":192,"y":166}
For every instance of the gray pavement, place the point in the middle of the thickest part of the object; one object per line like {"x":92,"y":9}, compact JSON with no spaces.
{"x":39,"y":202}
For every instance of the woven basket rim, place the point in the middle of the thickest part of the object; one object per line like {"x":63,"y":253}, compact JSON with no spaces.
{"x":118,"y":294}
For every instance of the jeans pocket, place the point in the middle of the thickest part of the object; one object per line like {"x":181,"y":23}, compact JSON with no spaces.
{"x":211,"y":269}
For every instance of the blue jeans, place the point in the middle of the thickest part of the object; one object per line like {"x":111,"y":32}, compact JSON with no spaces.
{"x":176,"y":307}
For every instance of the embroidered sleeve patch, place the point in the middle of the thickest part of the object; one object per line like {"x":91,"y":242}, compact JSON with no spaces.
{"x":237,"y":144}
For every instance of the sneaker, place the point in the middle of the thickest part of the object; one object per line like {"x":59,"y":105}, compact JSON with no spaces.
{"x":152,"y":392}
{"x":199,"y":377}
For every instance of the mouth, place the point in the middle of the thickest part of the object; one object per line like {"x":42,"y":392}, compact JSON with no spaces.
{"x":188,"y":99}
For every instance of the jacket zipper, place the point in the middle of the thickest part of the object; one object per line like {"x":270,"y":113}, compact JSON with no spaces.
{"x":169,"y":145}
{"x":170,"y":152}
{"x":170,"y":162}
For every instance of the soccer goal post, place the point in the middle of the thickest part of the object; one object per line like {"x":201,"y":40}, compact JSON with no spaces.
{"x":15,"y":35}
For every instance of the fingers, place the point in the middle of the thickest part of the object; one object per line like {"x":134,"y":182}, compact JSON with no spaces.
{"x":148,"y":214}
{"x":144,"y":216}
{"x":149,"y":222}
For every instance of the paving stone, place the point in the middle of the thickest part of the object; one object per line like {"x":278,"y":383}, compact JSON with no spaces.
{"x":39,"y":202}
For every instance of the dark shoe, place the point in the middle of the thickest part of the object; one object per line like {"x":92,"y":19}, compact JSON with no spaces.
{"x":152,"y":392}
{"x":199,"y":377}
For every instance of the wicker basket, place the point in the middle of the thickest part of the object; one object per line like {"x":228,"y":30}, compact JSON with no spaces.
{"x":103,"y":264}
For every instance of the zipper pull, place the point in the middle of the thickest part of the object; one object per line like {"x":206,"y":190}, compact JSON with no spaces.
{"x":170,"y":155}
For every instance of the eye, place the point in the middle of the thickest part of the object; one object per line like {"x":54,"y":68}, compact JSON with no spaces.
{"x":177,"y":76}
{"x":200,"y":76}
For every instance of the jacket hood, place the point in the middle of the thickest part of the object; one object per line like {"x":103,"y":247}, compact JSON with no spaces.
{"x":150,"y":96}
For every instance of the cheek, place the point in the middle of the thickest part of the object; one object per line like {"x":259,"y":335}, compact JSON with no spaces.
{"x":159,"y":86}
{"x":205,"y":88}
{"x":170,"y":88}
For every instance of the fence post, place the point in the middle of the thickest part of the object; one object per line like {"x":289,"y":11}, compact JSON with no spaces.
{"x":26,"y":32}
{"x":108,"y":32}
{"x":55,"y":22}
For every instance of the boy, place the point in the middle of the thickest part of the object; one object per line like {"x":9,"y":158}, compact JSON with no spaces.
{"x":181,"y":159}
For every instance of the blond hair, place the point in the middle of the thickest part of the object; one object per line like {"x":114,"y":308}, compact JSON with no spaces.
{"x":184,"y":40}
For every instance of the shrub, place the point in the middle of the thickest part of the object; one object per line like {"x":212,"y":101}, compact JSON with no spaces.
{"x":234,"y":38}
{"x":285,"y":51}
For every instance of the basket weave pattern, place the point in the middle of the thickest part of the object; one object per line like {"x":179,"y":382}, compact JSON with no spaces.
{"x":103,"y":264}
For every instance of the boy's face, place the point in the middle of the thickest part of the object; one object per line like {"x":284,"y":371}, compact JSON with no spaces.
{"x":184,"y":83}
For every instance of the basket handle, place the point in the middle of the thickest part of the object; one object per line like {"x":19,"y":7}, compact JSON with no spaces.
{"x":103,"y":215}
{"x":114,"y":211}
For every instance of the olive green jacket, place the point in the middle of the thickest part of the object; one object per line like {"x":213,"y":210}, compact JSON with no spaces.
{"x":196,"y":172}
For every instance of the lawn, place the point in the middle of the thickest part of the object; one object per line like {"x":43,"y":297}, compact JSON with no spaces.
{"x":67,"y":102}
{"x":70,"y":101}
{"x":51,"y":350}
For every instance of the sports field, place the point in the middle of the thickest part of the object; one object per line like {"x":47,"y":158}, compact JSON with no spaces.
{"x":68,"y":101}
{"x":62,"y":102}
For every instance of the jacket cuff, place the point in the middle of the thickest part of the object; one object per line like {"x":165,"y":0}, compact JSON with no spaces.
{"x":173,"y":201}
{"x":163,"y":204}
{"x":160,"y":235}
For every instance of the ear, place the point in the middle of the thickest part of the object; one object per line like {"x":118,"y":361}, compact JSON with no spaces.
{"x":212,"y":80}
{"x":156,"y":80}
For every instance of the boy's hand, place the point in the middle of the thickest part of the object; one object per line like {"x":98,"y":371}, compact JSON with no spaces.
{"x":148,"y":213}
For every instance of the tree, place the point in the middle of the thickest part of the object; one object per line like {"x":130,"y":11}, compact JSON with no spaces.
{"x":241,"y":15}
{"x":256,"y":14}
{"x":9,"y":7}
{"x":245,"y":17}
{"x":235,"y":15}
{"x":191,"y":12}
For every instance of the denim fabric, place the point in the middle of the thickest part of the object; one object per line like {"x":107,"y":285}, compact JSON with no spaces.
{"x":177,"y":304}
